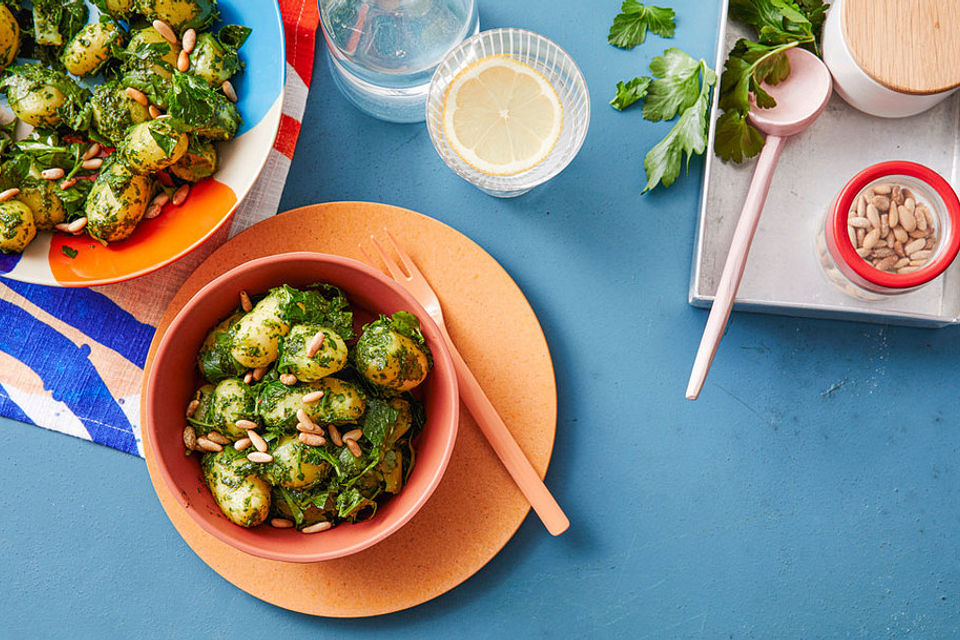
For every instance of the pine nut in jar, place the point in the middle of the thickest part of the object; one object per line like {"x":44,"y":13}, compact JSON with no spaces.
{"x":893,"y":228}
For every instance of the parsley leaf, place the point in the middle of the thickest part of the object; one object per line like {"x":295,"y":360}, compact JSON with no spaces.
{"x":736,"y":138}
{"x":630,"y":92}
{"x":70,"y":252}
{"x":677,"y":85}
{"x":688,"y":136}
{"x":631,"y":24}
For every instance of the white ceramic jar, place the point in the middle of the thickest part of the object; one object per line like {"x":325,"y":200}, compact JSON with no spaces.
{"x":854,"y":84}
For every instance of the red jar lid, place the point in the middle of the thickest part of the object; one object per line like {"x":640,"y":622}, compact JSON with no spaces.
{"x":929,"y":271}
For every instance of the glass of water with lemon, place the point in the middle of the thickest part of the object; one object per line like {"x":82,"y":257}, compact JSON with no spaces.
{"x":507,"y":110}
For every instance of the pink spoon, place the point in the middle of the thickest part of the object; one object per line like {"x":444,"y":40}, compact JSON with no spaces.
{"x":800,"y":98}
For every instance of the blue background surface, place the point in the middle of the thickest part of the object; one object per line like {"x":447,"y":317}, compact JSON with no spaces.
{"x":812,"y":491}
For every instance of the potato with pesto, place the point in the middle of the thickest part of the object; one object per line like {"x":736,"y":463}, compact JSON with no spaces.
{"x":9,"y":37}
{"x":43,"y":199}
{"x":38,"y":95}
{"x":199,"y":162}
{"x":118,"y":9}
{"x":213,"y":61}
{"x":149,"y":63}
{"x":256,"y":337}
{"x":392,"y":353}
{"x":117,"y":202}
{"x":114,"y":111}
{"x":290,"y":466}
{"x":278,"y":403}
{"x":153,"y":146}
{"x":329,"y":352}
{"x":179,"y":14}
{"x":232,"y":479}
{"x":90,"y":48}
{"x":17,"y":228}
{"x":214,"y":359}
{"x":232,"y":401}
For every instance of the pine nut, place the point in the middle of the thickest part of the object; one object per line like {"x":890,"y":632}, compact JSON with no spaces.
{"x":137,"y":96}
{"x":871,"y":239}
{"x":309,"y":427}
{"x":882,"y":189}
{"x":907,"y":269}
{"x":248,"y":377}
{"x":316,"y":528}
{"x":219,"y":438}
{"x":189,"y":40}
{"x":192,"y":408}
{"x":861,"y":207}
{"x":914,"y":246}
{"x":305,"y":418}
{"x":353,"y":434}
{"x":354,"y":448}
{"x":229,"y":91}
{"x":242,"y":444}
{"x":902,"y":262}
{"x":873,"y":216}
{"x":166,"y":31}
{"x":312,"y":439}
{"x":890,"y":229}
{"x":190,"y":437}
{"x":281,"y":523}
{"x":153,"y":211}
{"x":208,"y":445}
{"x":52,"y":174}
{"x":160,"y":200}
{"x":335,"y":435}
{"x":258,"y":442}
{"x":246,"y":425}
{"x":66,"y":184}
{"x":259,"y":372}
{"x":259,"y":456}
{"x":62,"y":227}
{"x":288,"y":379}
{"x":315,"y":344}
{"x":312,"y":397}
{"x":245,"y":302}
{"x":92,"y":164}
{"x":154,"y":112}
{"x":859,"y":223}
{"x":77,"y":225}
{"x":183,"y":61}
{"x":180,"y":195}
{"x":92,"y":151}
{"x":881,"y":202}
{"x":9,"y":194}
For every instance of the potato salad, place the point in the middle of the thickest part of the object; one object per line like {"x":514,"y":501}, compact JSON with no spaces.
{"x":126,"y":108}
{"x":302,"y":420}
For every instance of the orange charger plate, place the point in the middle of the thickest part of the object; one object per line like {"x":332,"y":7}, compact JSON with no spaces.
{"x":477,"y":508}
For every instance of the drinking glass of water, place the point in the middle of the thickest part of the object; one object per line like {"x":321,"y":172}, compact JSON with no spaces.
{"x":383,"y":52}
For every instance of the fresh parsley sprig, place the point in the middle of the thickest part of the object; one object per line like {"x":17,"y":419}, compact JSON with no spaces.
{"x":631,"y":24}
{"x":780,"y":26}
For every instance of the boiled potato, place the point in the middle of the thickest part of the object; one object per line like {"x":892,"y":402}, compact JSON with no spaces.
{"x":331,"y":357}
{"x":212,"y":62}
{"x":241,"y":495}
{"x":214,"y":359}
{"x":9,"y":37}
{"x":150,"y":74}
{"x":150,"y":36}
{"x":179,"y":14}
{"x":153,"y":146}
{"x":389,"y":359}
{"x":391,"y":468}
{"x":289,"y":469}
{"x":232,"y":401}
{"x":342,"y":402}
{"x":225,"y":123}
{"x":90,"y":48}
{"x":199,"y":162}
{"x":41,"y":196}
{"x":117,"y":8}
{"x":17,"y":228}
{"x":32,"y":98}
{"x":116,"y":203}
{"x":114,"y":111}
{"x":256,"y":338}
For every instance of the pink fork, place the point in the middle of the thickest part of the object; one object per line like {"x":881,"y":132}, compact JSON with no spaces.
{"x":473,"y":397}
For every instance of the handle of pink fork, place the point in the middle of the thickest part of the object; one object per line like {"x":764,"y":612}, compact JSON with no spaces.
{"x":504,"y":445}
{"x":735,"y":264}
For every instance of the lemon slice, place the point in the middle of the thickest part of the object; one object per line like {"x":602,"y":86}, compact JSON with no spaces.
{"x":501,"y":116}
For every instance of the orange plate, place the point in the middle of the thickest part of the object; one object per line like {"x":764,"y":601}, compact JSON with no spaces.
{"x":477,"y":508}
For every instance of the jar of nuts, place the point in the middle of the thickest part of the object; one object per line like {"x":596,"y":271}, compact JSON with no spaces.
{"x":894,"y":227}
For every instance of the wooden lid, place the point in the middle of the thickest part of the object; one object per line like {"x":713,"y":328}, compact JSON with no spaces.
{"x":911,"y":46}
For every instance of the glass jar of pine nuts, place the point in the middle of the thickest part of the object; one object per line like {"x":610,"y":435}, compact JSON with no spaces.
{"x":893,"y":228}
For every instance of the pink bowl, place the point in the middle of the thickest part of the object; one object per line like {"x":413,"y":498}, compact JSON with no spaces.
{"x":173,"y":378}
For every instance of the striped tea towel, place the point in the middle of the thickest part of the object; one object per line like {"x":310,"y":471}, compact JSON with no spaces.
{"x":71,"y":360}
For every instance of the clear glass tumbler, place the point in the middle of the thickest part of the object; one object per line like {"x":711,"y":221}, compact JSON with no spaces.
{"x":383,"y":52}
{"x":556,"y":67}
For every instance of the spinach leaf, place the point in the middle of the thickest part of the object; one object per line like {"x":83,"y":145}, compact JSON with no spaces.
{"x":232,"y":36}
{"x":56,"y":21}
{"x":321,"y":304}
{"x":379,"y":421}
{"x":199,"y":108}
{"x":351,"y":502}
